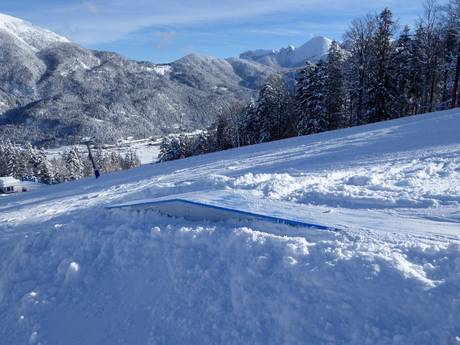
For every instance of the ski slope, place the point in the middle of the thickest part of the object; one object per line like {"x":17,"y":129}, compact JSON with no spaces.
{"x":73,"y":272}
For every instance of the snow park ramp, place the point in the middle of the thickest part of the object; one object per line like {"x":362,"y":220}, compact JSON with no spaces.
{"x":219,"y":205}
{"x":194,"y":210}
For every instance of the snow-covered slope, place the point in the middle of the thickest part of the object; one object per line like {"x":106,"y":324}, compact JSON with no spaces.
{"x":315,"y":49}
{"x":28,"y":34}
{"x":72,"y":272}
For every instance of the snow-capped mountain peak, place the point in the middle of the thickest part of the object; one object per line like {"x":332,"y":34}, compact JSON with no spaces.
{"x":315,"y":49}
{"x":28,"y":34}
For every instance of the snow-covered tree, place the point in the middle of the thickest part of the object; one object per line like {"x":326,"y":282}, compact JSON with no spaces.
{"x":452,"y":49}
{"x":74,"y":164}
{"x":417,"y":69}
{"x":42,"y":167}
{"x":114,"y":162}
{"x":360,"y":42}
{"x":229,"y":127}
{"x":449,"y":51}
{"x":334,"y":88}
{"x":165,"y":151}
{"x":272,"y":110}
{"x":200,"y":145}
{"x":8,"y":159}
{"x":102,"y":160}
{"x":428,"y":41}
{"x":401,"y":71}
{"x":250,"y":124}
{"x":173,"y":148}
{"x":310,"y":99}
{"x":26,"y":164}
{"x":130,"y":160}
{"x":87,"y":167}
{"x":382,"y":85}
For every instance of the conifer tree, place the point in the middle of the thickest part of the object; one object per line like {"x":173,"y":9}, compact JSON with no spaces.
{"x":431,"y":55}
{"x":165,"y":151}
{"x":28,"y":155}
{"x":449,"y":53}
{"x":335,"y":93}
{"x":360,"y":40}
{"x":453,"y":20}
{"x":401,"y":70}
{"x":74,"y":164}
{"x":250,"y":124}
{"x":88,"y":169}
{"x":114,"y":162}
{"x":200,"y":145}
{"x":8,"y":159}
{"x":43,"y":168}
{"x":130,"y":160}
{"x":173,"y":148}
{"x":381,"y":92}
{"x":229,"y":127}
{"x":417,"y":70}
{"x":310,"y":99}
{"x":102,"y":160}
{"x":271,"y":109}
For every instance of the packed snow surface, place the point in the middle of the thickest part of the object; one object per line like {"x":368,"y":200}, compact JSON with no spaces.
{"x":73,"y":272}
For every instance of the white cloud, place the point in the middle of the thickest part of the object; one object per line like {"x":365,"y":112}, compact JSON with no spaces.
{"x":90,"y":6}
{"x":164,"y":38}
{"x":101,"y":21}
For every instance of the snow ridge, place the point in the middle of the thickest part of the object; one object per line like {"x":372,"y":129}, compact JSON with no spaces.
{"x":315,"y":49}
{"x":28,"y":34}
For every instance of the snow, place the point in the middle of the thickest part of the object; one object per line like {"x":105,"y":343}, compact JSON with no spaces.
{"x":220,"y":88}
{"x":161,"y":70}
{"x":258,"y":53}
{"x":8,"y":181}
{"x":28,"y":34}
{"x":146,"y":149}
{"x":314,"y":49}
{"x":194,"y":206}
{"x":242,"y":202}
{"x":73,"y":272}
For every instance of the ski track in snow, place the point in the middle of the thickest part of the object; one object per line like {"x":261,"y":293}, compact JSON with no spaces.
{"x":72,"y":272}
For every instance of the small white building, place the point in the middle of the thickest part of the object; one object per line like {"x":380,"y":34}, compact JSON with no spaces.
{"x":10,"y":185}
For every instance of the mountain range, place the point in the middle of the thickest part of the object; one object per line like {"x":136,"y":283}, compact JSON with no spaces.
{"x":314,"y":50}
{"x":53,"y":91}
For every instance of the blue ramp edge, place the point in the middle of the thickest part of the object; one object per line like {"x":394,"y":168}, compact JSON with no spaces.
{"x":193,"y":210}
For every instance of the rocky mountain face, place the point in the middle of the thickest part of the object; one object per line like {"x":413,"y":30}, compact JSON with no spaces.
{"x":53,"y":92}
{"x":314,"y":50}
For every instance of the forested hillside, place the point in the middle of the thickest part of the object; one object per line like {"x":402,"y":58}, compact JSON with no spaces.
{"x":379,"y":72}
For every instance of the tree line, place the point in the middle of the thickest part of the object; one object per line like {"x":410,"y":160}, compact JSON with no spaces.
{"x":379,"y":72}
{"x":32,"y":164}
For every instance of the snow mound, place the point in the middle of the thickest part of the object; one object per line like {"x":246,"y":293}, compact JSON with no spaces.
{"x":142,"y":279}
{"x":32,"y":36}
{"x":413,"y":182}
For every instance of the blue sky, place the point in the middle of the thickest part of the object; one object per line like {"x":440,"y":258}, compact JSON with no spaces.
{"x":162,"y":31}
